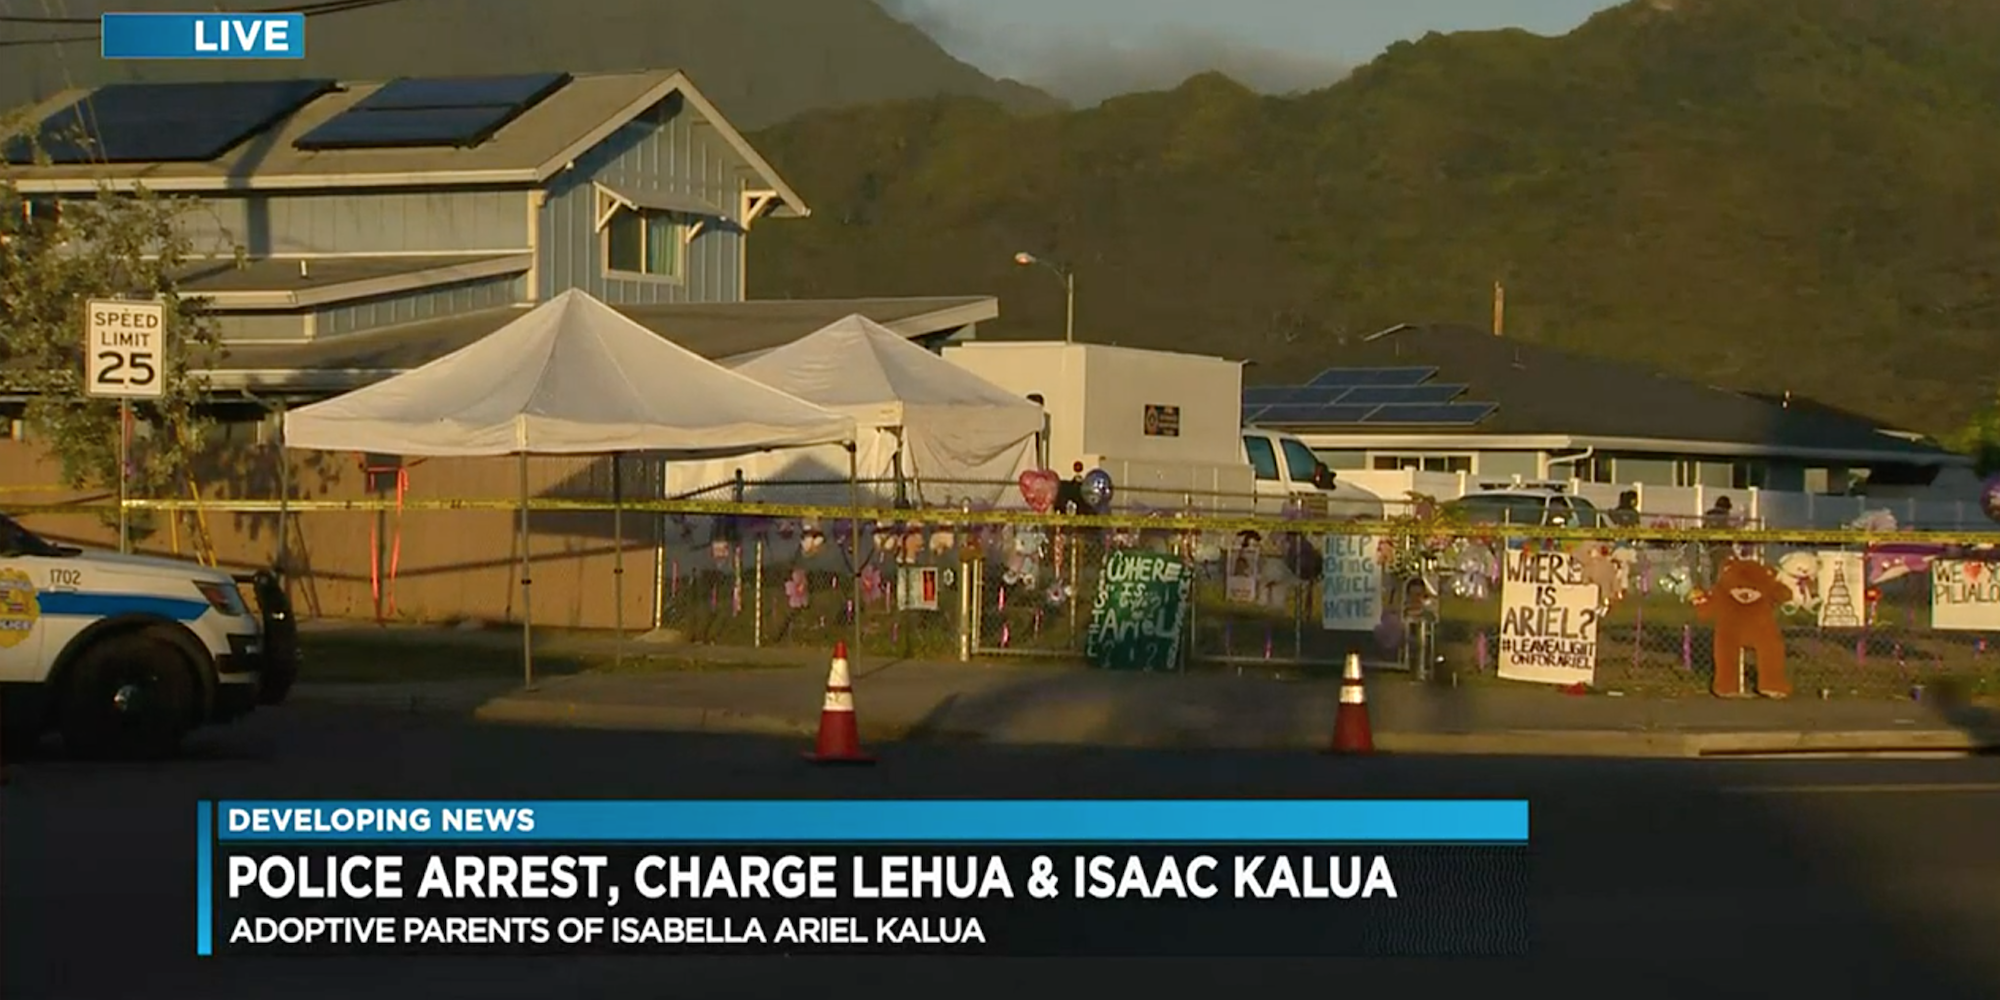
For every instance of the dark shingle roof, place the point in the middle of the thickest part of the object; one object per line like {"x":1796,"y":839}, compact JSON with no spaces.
{"x":1545,"y":391}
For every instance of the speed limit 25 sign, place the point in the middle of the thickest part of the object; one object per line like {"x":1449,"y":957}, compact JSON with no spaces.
{"x":124,"y":349}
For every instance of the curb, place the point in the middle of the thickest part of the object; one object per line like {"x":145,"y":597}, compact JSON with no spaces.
{"x":586,"y":715}
{"x":1851,"y":741}
{"x":1625,"y":743}
{"x":1520,"y":743}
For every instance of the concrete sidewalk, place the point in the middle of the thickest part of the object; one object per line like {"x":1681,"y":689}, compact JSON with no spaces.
{"x":1034,"y":704}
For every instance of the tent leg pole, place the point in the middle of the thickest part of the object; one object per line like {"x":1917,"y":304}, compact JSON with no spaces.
{"x":527,"y":583}
{"x":854,"y":532}
{"x":618,"y":553}
{"x":279,"y":558}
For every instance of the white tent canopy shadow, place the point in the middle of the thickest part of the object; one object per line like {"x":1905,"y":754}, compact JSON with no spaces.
{"x":571,"y":377}
{"x":930,"y":431}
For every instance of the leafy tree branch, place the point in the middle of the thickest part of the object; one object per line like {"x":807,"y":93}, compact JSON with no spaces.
{"x":55,"y":256}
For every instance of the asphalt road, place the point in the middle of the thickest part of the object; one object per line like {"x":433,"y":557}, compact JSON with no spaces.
{"x":1668,"y":879}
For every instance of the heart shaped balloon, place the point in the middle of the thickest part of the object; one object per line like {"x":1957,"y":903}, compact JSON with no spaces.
{"x":1974,"y":570}
{"x":1038,"y":487}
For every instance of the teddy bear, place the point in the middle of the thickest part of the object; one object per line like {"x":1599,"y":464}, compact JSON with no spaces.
{"x":1744,"y":609}
{"x":1023,"y":562}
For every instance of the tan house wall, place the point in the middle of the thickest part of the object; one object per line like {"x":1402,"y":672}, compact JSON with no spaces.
{"x":451,"y":564}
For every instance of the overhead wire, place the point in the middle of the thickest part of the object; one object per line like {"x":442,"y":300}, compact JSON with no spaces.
{"x":309,"y":10}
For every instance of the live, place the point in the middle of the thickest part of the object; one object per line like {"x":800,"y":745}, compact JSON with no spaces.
{"x":240,"y":35}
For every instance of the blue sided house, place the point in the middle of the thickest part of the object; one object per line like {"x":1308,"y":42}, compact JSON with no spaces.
{"x":355,"y":230}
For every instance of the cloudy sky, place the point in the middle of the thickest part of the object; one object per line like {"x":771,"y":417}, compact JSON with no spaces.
{"x":1086,"y":50}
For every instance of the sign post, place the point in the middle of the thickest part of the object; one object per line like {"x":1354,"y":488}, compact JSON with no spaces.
{"x":124,"y":354}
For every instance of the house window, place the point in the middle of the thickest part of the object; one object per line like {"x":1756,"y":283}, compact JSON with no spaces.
{"x":1593,"y":469}
{"x":1748,"y":475}
{"x":643,"y":241}
{"x":1423,"y":463}
{"x":1687,"y":472}
{"x":40,"y":216}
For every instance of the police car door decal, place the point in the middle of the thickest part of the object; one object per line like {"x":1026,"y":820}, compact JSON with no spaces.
{"x":19,"y":607}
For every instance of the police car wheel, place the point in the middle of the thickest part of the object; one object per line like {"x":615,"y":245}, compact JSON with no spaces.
{"x":130,"y":696}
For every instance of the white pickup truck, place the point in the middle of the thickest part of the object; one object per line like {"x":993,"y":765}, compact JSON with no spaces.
{"x":124,"y":655}
{"x":1284,"y":465}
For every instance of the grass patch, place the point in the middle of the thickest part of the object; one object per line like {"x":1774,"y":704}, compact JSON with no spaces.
{"x":366,"y":657}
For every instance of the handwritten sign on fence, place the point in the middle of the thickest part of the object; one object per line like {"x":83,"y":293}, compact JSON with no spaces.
{"x":1548,"y":619}
{"x":1141,"y":609}
{"x":1351,"y":584}
{"x":1965,"y":595}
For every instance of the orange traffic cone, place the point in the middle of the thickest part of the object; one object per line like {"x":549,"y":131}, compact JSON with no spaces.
{"x":1351,"y":732}
{"x":839,"y":736}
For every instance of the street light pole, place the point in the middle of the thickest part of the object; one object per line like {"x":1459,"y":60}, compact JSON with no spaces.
{"x":1069,"y":307}
{"x":1068,"y":277}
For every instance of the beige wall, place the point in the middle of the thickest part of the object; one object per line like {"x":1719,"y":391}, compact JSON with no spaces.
{"x":452,"y":564}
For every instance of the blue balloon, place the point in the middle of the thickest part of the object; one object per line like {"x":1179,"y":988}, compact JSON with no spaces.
{"x":1097,"y":489}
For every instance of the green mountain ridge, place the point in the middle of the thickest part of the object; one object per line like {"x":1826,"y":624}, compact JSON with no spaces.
{"x":1774,"y":195}
{"x":761,"y":61}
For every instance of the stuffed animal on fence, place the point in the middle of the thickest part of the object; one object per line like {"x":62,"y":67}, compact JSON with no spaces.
{"x":1743,"y":607}
{"x":1024,"y":557}
{"x":1800,"y":573}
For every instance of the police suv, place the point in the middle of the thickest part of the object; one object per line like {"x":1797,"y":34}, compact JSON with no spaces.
{"x":124,"y":655}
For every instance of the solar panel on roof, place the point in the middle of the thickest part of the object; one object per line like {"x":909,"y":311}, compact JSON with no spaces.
{"x":453,"y":111}
{"x":1253,"y":411}
{"x":1266,"y":395}
{"x":1373,"y":376}
{"x":1449,"y":413}
{"x":165,"y":122}
{"x":1403,"y":394}
{"x":1314,"y":413}
{"x":1272,"y":395}
{"x":412,"y":93}
{"x":1325,"y":395}
{"x":406,"y":128}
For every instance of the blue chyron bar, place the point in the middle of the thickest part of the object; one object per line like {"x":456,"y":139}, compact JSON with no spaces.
{"x":887,"y":821}
{"x":995,"y":878}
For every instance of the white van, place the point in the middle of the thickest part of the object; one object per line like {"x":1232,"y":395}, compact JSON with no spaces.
{"x":1283,"y":466}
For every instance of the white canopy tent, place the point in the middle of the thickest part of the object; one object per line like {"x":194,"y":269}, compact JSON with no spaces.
{"x":920,"y":420}
{"x":573,"y":377}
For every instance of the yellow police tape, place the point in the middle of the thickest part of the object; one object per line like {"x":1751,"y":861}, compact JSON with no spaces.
{"x":1160,"y":522}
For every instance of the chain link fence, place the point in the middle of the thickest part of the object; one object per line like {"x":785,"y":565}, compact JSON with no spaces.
{"x":1651,"y":609}
{"x":1746,"y":614}
{"x":1743,"y":615}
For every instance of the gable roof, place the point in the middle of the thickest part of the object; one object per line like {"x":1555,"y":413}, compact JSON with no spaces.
{"x":571,"y":376}
{"x":531,"y":149}
{"x":1548,"y":393}
{"x":278,"y":283}
{"x":716,"y":331}
{"x":857,"y":362}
